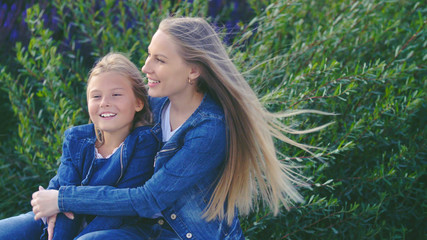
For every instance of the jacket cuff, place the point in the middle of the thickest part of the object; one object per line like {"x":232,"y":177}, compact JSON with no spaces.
{"x":61,"y":199}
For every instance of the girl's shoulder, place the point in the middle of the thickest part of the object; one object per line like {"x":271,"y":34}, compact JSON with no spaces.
{"x":142,"y":134}
{"x":141,"y":130}
{"x":80,"y":132}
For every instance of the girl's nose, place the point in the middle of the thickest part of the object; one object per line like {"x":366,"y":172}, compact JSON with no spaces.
{"x":105,"y":102}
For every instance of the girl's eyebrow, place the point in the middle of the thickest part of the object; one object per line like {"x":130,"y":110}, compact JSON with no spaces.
{"x":97,"y":90}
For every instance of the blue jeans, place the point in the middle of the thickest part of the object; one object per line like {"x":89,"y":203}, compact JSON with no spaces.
{"x":138,"y":231}
{"x":25,"y":227}
{"x":22,"y":227}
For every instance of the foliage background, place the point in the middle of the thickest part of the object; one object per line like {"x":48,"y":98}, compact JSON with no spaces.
{"x":364,"y":60}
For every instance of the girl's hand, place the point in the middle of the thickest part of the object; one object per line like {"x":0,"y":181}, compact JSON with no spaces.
{"x":51,"y":223}
{"x":45,"y":203}
{"x":51,"y":226}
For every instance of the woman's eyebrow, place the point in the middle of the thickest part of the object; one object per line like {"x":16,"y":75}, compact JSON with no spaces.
{"x":160,"y":55}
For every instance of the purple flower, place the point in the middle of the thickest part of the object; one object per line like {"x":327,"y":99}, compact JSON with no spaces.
{"x":214,"y":7}
{"x":13,"y":35}
{"x":8,"y":20}
{"x":23,"y":17}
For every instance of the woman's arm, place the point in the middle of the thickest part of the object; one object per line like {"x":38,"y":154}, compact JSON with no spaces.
{"x":203,"y":152}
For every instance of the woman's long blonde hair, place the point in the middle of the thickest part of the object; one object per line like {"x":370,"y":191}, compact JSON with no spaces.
{"x":252,"y":167}
{"x":119,"y":63}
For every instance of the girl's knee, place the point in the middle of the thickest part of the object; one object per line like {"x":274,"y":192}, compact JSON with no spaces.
{"x":87,"y":236}
{"x":97,"y":235}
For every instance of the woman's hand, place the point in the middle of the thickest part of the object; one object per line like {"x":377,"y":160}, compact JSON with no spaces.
{"x":45,"y":203}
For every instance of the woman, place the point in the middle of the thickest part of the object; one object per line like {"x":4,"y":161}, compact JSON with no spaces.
{"x":218,"y":150}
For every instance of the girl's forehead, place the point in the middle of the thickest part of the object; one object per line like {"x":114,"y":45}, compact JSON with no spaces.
{"x":108,"y":80}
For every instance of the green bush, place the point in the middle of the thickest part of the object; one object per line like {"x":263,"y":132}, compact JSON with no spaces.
{"x":364,"y":60}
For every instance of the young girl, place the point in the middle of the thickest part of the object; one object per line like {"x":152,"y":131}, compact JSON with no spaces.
{"x":102,"y":153}
{"x":217,"y":156}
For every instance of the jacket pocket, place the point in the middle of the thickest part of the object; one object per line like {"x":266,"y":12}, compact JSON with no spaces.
{"x":165,"y":153}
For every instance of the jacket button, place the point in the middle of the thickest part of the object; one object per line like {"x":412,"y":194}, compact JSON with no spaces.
{"x":173,"y":216}
{"x":161,"y":222}
{"x":189,"y":235}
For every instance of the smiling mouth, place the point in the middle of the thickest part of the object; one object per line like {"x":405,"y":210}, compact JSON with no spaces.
{"x":153,"y":81}
{"x":106,"y":115}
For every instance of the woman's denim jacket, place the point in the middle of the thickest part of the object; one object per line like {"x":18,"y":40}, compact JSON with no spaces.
{"x":129,"y":166}
{"x":186,"y":171}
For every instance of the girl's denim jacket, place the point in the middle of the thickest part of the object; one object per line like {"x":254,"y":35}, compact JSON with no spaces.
{"x":129,"y":166}
{"x":186,"y":171}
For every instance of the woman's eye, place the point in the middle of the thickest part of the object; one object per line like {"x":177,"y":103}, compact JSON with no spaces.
{"x":159,"y":60}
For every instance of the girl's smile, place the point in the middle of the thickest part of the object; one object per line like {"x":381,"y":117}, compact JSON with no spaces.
{"x":108,"y":115}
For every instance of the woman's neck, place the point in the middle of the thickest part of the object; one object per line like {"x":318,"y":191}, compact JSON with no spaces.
{"x":182,"y":108}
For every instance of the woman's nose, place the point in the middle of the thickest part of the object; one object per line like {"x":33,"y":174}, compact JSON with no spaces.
{"x":146,"y":67}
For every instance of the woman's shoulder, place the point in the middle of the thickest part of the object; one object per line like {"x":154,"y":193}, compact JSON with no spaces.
{"x":211,"y":108}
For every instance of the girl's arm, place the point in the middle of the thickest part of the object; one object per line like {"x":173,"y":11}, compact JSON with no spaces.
{"x":68,"y":173}
{"x":203,"y":152}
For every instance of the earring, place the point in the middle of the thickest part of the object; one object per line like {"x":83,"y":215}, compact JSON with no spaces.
{"x":190,"y":82}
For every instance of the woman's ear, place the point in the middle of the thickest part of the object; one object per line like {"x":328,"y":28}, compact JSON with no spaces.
{"x":195,"y":72}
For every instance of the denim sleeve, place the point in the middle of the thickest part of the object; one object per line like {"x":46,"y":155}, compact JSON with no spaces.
{"x":67,"y":173}
{"x":203,"y":152}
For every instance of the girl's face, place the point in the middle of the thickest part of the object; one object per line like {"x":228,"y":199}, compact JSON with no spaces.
{"x":112,"y":103}
{"x":166,"y":70}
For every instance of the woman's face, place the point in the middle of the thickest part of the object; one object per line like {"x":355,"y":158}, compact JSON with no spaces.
{"x":166,"y":70}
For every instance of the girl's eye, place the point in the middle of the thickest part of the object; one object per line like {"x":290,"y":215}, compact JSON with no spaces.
{"x":96,"y":96}
{"x":117,"y":94}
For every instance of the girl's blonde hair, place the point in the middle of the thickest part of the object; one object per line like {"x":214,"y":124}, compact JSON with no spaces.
{"x":118,"y":63}
{"x":251,"y":163}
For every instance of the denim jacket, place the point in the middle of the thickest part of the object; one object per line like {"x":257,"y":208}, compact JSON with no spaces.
{"x":129,"y":166}
{"x":186,"y":171}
